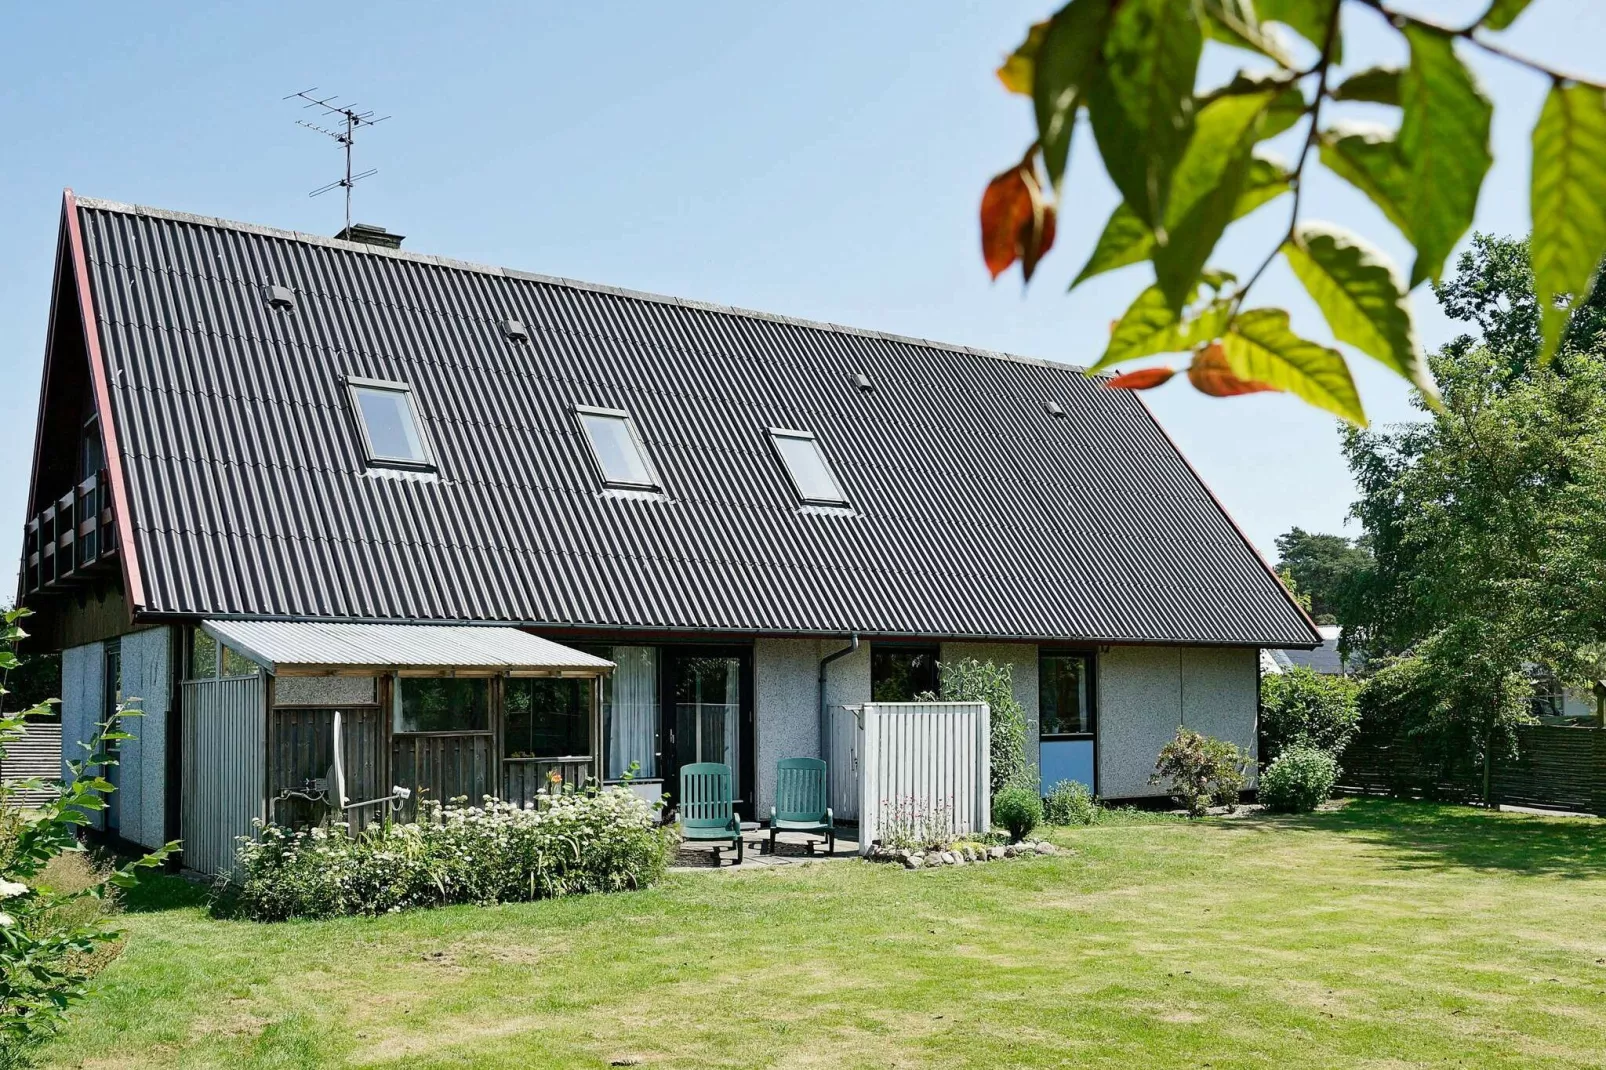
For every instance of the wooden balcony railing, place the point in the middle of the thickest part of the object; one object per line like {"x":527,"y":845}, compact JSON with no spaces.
{"x":71,"y":540}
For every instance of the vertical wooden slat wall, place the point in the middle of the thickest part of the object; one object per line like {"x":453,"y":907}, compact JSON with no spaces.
{"x":932,"y":756}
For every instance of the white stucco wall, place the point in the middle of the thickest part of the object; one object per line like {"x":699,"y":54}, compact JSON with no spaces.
{"x":142,"y":763}
{"x":787,"y":713}
{"x":82,"y":682}
{"x":1146,"y":692}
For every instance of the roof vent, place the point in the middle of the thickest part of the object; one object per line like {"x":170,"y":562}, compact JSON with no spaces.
{"x":368,"y":234}
{"x":862,"y":381}
{"x":515,"y":331}
{"x":280,"y":296}
{"x":1053,"y":409}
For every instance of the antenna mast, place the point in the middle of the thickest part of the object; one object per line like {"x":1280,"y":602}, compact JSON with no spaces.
{"x":345,"y":132}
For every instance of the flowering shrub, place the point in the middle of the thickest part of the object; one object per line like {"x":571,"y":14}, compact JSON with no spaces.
{"x":1299,"y":779}
{"x":594,"y":841}
{"x":909,"y":822}
{"x":1070,"y":803}
{"x":1200,"y":770}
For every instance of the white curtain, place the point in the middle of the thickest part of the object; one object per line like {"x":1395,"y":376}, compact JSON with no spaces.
{"x":632,"y":711}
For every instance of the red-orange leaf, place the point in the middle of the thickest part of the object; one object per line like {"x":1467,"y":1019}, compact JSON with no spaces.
{"x":1211,"y":374}
{"x":1017,"y":220}
{"x":1142,"y":379}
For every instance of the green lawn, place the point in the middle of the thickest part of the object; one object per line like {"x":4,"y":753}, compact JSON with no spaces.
{"x":1380,"y":935}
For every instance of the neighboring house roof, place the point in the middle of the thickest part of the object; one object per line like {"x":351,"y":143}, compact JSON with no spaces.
{"x":975,"y":511}
{"x":316,"y":645}
{"x":1323,"y":659}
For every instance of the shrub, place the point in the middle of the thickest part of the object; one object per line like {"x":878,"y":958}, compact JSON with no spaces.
{"x":53,"y":903}
{"x":969,"y":680}
{"x":1200,"y":770}
{"x":1070,"y":803}
{"x":1018,"y":809}
{"x":1304,"y":708}
{"x":596,"y":841}
{"x":911,"y":823}
{"x":1298,"y":780}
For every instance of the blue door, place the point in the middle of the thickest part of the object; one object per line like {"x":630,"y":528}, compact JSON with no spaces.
{"x":1065,"y":745}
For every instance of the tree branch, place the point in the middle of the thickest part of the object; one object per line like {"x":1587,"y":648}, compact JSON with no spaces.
{"x":1472,"y":35}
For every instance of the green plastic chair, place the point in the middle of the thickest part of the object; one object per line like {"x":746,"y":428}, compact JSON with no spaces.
{"x":707,"y":810}
{"x":800,"y":802}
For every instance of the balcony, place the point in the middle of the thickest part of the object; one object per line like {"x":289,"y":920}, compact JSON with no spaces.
{"x":72,"y":540}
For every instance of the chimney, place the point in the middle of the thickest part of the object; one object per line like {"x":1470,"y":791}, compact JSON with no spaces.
{"x":368,"y":234}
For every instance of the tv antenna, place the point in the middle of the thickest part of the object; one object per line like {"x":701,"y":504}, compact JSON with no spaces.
{"x":345,"y":119}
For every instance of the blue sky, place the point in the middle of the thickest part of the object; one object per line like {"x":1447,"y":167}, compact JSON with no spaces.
{"x":816,"y":160}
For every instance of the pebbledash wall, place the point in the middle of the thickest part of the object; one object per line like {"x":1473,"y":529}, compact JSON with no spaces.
{"x":1144,"y":693}
{"x":138,"y":807}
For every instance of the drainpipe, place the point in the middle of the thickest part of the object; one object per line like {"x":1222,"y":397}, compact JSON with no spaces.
{"x":825,"y":715}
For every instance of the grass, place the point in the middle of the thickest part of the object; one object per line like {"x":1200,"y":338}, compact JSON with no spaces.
{"x":1380,"y":935}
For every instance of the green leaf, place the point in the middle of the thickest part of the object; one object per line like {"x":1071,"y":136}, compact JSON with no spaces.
{"x":1062,"y":68}
{"x":1308,"y":18}
{"x":1367,"y":158}
{"x":1126,"y":240}
{"x":1567,"y":200}
{"x":1234,"y":22}
{"x":1362,"y":297}
{"x":1151,"y":326}
{"x":1444,"y":144}
{"x":1377,"y":85}
{"x":1260,"y":346}
{"x":1205,"y":190}
{"x":8,"y":660}
{"x":1502,"y":13}
{"x":1141,"y":100}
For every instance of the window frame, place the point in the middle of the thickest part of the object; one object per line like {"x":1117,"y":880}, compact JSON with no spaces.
{"x":355,"y":383}
{"x":912,"y":648}
{"x":491,"y":704}
{"x":1090,"y":660}
{"x":842,"y":501}
{"x":655,"y":481}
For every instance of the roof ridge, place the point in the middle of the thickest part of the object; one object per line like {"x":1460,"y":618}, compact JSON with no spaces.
{"x":104,"y":205}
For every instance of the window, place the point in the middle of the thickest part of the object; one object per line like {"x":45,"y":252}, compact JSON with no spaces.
{"x":630,"y":712}
{"x":902,"y":673}
{"x":548,"y":718}
{"x":617,"y":447}
{"x":443,"y":704}
{"x":389,"y":422}
{"x":1065,"y":694}
{"x":203,"y":655}
{"x":237,"y":664}
{"x":805,"y":462}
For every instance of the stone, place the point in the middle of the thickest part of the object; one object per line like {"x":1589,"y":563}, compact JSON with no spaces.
{"x":995,"y":852}
{"x":948,"y":858}
{"x":1044,"y":847}
{"x":1011,"y":851}
{"x":912,"y":862}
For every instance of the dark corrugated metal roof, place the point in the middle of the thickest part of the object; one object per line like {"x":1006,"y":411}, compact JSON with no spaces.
{"x":976,"y":512}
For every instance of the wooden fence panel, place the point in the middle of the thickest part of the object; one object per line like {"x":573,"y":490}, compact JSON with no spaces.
{"x":301,"y":751}
{"x":443,"y":767}
{"x":1555,"y":766}
{"x":927,"y":758}
{"x":525,"y":778}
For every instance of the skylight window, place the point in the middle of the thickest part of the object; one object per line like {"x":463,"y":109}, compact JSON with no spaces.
{"x":389,"y":421}
{"x":618,"y":449}
{"x":805,"y":462}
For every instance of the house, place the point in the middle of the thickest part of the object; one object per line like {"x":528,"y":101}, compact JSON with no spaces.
{"x":1324,"y":659}
{"x":719,"y":524}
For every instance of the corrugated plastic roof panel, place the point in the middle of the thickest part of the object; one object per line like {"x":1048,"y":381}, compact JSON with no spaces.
{"x":316,"y":645}
{"x":974,"y":512}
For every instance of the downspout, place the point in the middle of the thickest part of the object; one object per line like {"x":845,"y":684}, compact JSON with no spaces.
{"x":825,"y":716}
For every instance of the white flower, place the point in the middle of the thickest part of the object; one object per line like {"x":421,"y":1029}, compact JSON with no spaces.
{"x":12,"y":888}
{"x":6,"y":920}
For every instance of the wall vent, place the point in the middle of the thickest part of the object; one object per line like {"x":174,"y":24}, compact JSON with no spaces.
{"x":862,"y":381}
{"x":281,"y":296}
{"x":1053,"y":408}
{"x":515,"y":330}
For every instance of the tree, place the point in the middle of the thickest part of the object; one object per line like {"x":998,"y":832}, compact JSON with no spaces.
{"x":1487,"y":519}
{"x":1322,"y":568}
{"x":1188,"y":163}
